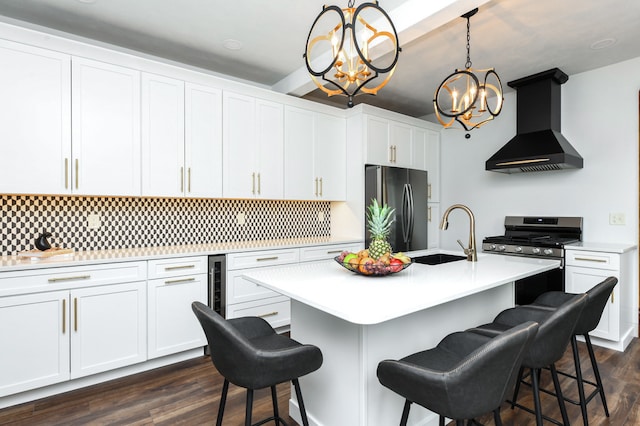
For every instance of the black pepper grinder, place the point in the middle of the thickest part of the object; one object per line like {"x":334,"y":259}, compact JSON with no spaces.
{"x":42,"y":243}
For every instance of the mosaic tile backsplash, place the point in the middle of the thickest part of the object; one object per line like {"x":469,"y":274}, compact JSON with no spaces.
{"x":127,"y":222}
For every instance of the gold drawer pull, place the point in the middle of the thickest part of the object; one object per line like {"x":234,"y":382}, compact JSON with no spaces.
{"x":334,"y":251}
{"x":587,"y":259}
{"x":76,"y":278}
{"x":261,"y":259}
{"x":183,"y":280}
{"x":173,"y":268}
{"x":270,"y":314}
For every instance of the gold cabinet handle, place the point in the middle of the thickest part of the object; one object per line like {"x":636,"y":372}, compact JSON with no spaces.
{"x":182,"y":280}
{"x":253,"y":183}
{"x":66,"y":173}
{"x":64,"y":316}
{"x":269,"y":314}
{"x":588,"y":259}
{"x":321,"y":187}
{"x":258,"y":183}
{"x":75,"y":278}
{"x":334,"y":251}
{"x":262,"y":259}
{"x":75,"y":314}
{"x":316,"y":187}
{"x":174,"y":268}
{"x":189,"y":180}
{"x":429,"y":191}
{"x":391,"y":153}
{"x":428,"y":214}
{"x":181,"y":179}
{"x":77,"y":168}
{"x":612,"y":298}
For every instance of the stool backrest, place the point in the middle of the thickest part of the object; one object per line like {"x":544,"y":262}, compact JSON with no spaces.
{"x":597,"y":298}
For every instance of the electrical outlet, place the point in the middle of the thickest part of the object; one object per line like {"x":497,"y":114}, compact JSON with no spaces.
{"x":617,"y":219}
{"x":320,"y":216}
{"x":93,"y":221}
{"x":241,"y":219}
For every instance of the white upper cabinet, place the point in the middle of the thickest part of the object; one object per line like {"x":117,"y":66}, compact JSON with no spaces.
{"x":105,"y":129}
{"x":433,"y":165}
{"x":35,"y":120}
{"x":378,"y":148}
{"x":163,"y":172}
{"x":400,"y":144}
{"x":419,"y":149}
{"x":315,"y":155}
{"x":203,"y":141}
{"x":253,"y":143}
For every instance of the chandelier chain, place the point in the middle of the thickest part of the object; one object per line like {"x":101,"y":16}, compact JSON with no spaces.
{"x":350,"y":3}
{"x":467,"y":65}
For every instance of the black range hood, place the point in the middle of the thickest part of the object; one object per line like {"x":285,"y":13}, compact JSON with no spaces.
{"x":538,"y":144}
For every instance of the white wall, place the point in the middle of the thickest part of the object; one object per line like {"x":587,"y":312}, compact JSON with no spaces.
{"x":599,"y":118}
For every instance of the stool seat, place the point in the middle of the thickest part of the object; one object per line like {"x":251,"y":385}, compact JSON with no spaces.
{"x":464,"y":376}
{"x":249,"y":353}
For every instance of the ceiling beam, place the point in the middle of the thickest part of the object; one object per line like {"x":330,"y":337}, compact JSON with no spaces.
{"x":412,"y":19}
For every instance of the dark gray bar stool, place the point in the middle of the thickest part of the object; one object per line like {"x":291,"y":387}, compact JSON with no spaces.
{"x":249,"y":353}
{"x":556,"y":327}
{"x":597,"y":298}
{"x":464,"y":376}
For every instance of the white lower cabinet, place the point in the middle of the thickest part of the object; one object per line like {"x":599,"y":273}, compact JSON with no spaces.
{"x":70,"y":323}
{"x":173,"y":285}
{"x":433,"y":225}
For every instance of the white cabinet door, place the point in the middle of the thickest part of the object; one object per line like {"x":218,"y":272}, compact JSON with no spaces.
{"x":433,"y":225}
{"x":377,"y":141}
{"x":433,"y":165}
{"x":579,"y":280}
{"x":240,"y":146}
{"x":298,"y":154}
{"x":330,"y":162}
{"x":173,"y":327}
{"x":35,"y":120}
{"x":34,"y":331}
{"x":108,"y":327}
{"x":105,"y":129}
{"x":203,"y":141}
{"x":163,"y":171}
{"x":400,"y":141}
{"x":418,"y":149}
{"x":270,"y":137}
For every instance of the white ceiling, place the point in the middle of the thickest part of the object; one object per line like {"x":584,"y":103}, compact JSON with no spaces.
{"x":517,"y":37}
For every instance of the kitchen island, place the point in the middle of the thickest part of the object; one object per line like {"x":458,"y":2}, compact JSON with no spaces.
{"x":358,"y":321}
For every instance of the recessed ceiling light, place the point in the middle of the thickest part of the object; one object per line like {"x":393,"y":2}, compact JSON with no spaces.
{"x":232,"y":44}
{"x":603,"y":44}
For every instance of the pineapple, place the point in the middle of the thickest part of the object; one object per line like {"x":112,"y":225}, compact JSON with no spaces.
{"x":379,"y":220}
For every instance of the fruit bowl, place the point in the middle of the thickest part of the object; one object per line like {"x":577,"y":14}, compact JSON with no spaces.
{"x":373,"y":270}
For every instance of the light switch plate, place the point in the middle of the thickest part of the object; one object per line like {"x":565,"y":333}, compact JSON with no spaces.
{"x":617,"y":219}
{"x":93,"y":221}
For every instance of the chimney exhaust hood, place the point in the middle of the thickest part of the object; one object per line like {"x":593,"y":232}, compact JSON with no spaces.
{"x":538,"y":144}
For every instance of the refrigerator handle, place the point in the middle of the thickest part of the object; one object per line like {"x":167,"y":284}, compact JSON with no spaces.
{"x":406,"y":211}
{"x":411,"y":216}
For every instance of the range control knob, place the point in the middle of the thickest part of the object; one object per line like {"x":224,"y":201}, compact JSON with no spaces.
{"x":518,"y":249}
{"x":502,"y":248}
{"x":548,"y":252}
{"x":492,"y":247}
{"x":535,"y":250}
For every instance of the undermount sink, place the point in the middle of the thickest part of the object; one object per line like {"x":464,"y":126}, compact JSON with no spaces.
{"x":437,"y":259}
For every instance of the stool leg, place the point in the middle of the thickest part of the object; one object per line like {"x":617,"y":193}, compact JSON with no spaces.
{"x":405,"y":414}
{"x":596,"y":372}
{"x":274,"y":399}
{"x":497,"y":419}
{"x":303,"y":411}
{"x":517,"y":388}
{"x":249,"y":408}
{"x":536,"y":396}
{"x":556,"y":384}
{"x":440,"y":423}
{"x":223,"y":401}
{"x":578,"y":367}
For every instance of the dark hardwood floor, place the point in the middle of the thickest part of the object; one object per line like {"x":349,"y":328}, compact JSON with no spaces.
{"x":188,"y":394}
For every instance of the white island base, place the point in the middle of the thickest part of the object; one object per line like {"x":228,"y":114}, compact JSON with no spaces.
{"x":346,"y":390}
{"x":359,"y":321}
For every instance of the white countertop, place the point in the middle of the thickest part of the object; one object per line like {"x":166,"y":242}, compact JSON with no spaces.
{"x":329,"y":287}
{"x":15,"y":263}
{"x":602,"y":247}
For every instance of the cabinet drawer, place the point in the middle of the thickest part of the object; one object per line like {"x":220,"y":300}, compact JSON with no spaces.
{"x":277,"y":310}
{"x":241,"y":290}
{"x":175,"y":267}
{"x":256,"y":259}
{"x":326,"y":252}
{"x":21,"y":282}
{"x":593,"y":259}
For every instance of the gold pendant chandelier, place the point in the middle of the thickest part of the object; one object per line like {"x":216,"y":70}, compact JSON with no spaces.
{"x":464,"y":98}
{"x":342,"y":45}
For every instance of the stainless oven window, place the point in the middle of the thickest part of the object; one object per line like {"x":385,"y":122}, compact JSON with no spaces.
{"x":528,"y":289}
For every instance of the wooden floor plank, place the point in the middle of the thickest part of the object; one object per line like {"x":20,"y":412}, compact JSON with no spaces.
{"x":188,"y":393}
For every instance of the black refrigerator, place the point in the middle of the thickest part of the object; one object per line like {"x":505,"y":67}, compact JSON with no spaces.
{"x":404,"y":190}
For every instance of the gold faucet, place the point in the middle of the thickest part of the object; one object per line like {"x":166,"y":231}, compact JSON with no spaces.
{"x":472,"y":255}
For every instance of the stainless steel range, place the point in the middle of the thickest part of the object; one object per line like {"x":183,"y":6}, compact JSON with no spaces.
{"x":536,"y":236}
